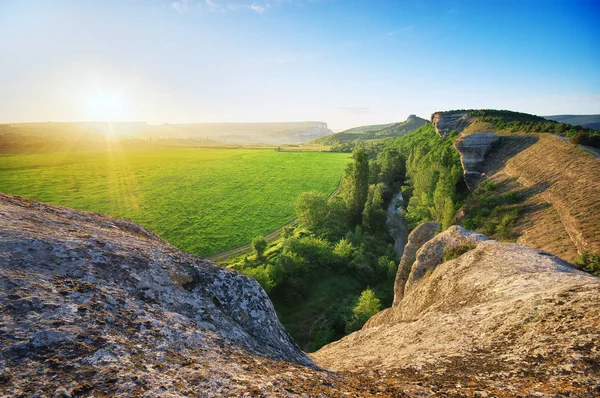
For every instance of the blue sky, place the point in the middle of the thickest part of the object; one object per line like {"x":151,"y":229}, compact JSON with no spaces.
{"x":347,"y":63}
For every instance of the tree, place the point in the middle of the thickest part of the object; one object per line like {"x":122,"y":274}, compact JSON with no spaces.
{"x":368,"y":305}
{"x":311,"y":209}
{"x":355,"y":185}
{"x":328,"y":218}
{"x":259,"y":245}
{"x":374,"y":216}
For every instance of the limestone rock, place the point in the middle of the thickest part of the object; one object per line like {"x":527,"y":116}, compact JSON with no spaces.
{"x":445,"y":122}
{"x":430,"y":255}
{"x":93,"y":305}
{"x":416,"y":239}
{"x":500,"y":318}
{"x":473,"y":149}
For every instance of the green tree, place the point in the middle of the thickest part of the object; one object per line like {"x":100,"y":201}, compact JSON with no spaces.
{"x":374,"y":216}
{"x":328,"y":218}
{"x":259,"y":245}
{"x":355,"y":185}
{"x":368,"y":305}
{"x":311,"y":209}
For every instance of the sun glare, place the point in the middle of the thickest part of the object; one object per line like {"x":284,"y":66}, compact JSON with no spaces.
{"x":104,"y":105}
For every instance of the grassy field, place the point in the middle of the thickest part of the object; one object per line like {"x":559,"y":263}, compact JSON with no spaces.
{"x":201,"y":200}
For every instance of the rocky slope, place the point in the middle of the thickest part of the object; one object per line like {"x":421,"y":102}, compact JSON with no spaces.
{"x":95,"y":306}
{"x":445,"y":122}
{"x":501,"y":319}
{"x":473,"y":149}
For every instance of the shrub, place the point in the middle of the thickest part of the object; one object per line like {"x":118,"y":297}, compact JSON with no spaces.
{"x":589,"y":262}
{"x":259,"y":245}
{"x":510,"y":198}
{"x":452,"y":252}
{"x":487,"y":186}
{"x":576,"y":138}
{"x":262,"y":275}
{"x":368,"y":305}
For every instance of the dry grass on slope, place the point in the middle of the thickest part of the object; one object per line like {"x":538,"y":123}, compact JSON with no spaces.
{"x":557,"y":190}
{"x":568,"y":178}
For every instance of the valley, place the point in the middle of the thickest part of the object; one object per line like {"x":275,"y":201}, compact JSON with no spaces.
{"x":202,"y":200}
{"x":391,"y":313}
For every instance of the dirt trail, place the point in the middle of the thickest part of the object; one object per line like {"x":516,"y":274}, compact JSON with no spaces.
{"x":588,"y":149}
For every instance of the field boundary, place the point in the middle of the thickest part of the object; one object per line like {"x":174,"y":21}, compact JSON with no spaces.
{"x":271,"y":237}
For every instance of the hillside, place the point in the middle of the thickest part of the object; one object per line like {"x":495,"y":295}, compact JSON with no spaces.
{"x":538,"y":190}
{"x":374,"y":132}
{"x":589,"y":121}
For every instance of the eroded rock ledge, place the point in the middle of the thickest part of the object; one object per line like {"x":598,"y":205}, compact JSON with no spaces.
{"x":500,"y":317}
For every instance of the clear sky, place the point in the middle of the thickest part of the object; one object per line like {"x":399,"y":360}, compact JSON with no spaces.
{"x":344,"y":62}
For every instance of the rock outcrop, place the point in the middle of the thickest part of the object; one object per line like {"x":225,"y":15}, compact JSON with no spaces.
{"x":473,"y":149}
{"x":500,"y":320}
{"x":445,"y":122}
{"x":416,"y":240}
{"x":93,"y":305}
{"x":432,"y":252}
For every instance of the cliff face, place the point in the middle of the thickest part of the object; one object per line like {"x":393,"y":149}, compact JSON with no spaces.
{"x":473,"y":149}
{"x":445,"y":122}
{"x":90,"y":304}
{"x":500,"y":317}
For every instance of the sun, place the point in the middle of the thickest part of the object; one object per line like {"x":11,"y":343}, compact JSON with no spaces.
{"x":104,"y":105}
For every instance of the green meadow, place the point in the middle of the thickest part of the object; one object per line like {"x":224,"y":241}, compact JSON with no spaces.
{"x":202,"y":200}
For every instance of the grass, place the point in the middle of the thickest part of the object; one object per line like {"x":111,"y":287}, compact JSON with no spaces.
{"x":492,"y":213}
{"x":202,"y":200}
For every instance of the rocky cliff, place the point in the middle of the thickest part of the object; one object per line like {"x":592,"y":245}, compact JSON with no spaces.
{"x":473,"y":149}
{"x":95,"y":306}
{"x":445,"y":122}
{"x":500,"y":319}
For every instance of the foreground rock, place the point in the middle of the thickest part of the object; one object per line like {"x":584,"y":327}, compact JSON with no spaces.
{"x":473,"y":149}
{"x":501,"y":319}
{"x":93,"y":305}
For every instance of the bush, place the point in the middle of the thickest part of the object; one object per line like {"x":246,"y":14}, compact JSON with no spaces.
{"x":589,"y":262}
{"x":450,"y":253}
{"x":576,"y":138}
{"x":510,"y":198}
{"x":262,"y":275}
{"x":487,"y":186}
{"x":368,"y":305}
{"x":259,"y":245}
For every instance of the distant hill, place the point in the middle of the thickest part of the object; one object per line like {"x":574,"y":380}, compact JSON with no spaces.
{"x":589,"y":121}
{"x":366,"y":129}
{"x":373,"y":132}
{"x":18,"y":134}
